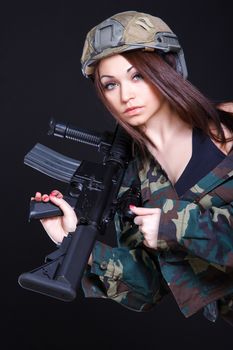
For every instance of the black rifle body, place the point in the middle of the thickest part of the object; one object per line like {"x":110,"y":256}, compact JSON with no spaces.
{"x":92,"y":191}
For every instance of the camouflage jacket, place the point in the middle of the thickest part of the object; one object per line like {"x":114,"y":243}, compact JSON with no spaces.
{"x":194,"y":259}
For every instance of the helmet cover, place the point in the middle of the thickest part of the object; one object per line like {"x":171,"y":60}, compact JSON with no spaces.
{"x":127,"y":31}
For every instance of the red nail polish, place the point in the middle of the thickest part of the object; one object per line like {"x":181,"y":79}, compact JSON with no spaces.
{"x":132,"y":206}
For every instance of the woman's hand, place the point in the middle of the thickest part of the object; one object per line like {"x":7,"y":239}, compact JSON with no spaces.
{"x":148,"y":221}
{"x":58,"y":227}
{"x":226,"y":106}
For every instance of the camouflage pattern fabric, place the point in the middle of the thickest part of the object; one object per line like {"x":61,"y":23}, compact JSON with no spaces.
{"x":130,"y":30}
{"x":126,"y":31}
{"x":194,"y":259}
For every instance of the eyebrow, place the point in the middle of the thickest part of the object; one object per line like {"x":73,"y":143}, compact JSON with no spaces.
{"x":112,"y":76}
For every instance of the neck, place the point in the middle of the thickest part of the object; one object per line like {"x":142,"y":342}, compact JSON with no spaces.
{"x":172,"y":142}
{"x":165,"y":128}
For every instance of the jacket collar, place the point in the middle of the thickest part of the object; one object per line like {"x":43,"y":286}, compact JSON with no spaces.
{"x":153,"y":179}
{"x":222,"y":172}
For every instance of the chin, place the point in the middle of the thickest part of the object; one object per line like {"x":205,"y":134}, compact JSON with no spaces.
{"x":135,"y":122}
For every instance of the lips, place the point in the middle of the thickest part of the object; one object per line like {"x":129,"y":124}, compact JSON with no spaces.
{"x":133,"y":110}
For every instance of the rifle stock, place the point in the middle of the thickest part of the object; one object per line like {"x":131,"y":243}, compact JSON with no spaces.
{"x":93,"y":191}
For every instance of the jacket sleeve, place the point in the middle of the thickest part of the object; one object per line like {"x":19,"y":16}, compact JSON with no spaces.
{"x":129,"y":273}
{"x":127,"y":276}
{"x":207,"y":234}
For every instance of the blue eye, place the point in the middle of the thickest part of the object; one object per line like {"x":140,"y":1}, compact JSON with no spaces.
{"x":137,"y":76}
{"x":109,"y":86}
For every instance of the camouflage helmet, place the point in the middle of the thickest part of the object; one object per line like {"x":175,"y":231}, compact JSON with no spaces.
{"x":127,"y":31}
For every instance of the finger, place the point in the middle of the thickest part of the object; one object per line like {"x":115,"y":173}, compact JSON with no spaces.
{"x":38,"y":197}
{"x":62,"y":204}
{"x":138,"y":220}
{"x":45,"y":198}
{"x":143,"y":220}
{"x":56,"y":193}
{"x":227,"y":106}
{"x":144,"y":211}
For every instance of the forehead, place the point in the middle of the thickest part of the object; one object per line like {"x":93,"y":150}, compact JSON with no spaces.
{"x":113,"y":65}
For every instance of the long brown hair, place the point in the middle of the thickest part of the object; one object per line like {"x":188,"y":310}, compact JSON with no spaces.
{"x":185,"y":99}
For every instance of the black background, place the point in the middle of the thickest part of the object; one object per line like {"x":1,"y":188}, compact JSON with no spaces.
{"x":40,"y":77}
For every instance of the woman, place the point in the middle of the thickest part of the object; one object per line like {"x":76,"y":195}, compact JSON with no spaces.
{"x":182,"y":237}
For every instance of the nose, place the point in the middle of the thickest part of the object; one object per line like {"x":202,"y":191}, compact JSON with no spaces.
{"x":127,"y":92}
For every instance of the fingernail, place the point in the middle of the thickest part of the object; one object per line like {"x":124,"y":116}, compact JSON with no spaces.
{"x":132,"y":206}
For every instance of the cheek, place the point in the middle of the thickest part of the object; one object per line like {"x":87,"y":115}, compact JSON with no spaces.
{"x":111,"y":105}
{"x":151,"y":89}
{"x":112,"y":100}
{"x":158,"y":95}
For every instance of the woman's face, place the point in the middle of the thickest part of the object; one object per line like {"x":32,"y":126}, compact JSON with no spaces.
{"x":134,"y":100}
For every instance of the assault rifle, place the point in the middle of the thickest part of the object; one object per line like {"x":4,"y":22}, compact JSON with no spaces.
{"x":92,"y":192}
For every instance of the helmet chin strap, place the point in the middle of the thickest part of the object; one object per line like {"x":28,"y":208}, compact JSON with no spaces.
{"x":181,"y":64}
